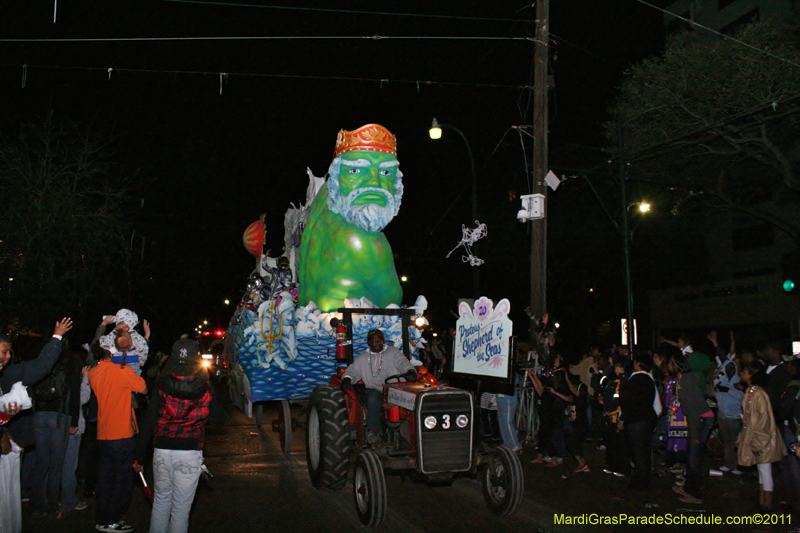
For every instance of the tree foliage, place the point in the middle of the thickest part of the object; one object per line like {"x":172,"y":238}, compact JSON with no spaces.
{"x":64,"y":223}
{"x":718,"y":121}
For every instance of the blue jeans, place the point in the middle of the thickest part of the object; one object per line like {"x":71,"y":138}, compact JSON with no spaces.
{"x":729,"y":429}
{"x":52,"y":432}
{"x":69,"y":484}
{"x":374,"y":408}
{"x":114,"y":479}
{"x":639,"y":436}
{"x":694,"y":465}
{"x":506,"y":409}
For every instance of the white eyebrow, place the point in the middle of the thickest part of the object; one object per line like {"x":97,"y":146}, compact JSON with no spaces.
{"x":356,"y":162}
{"x":389,"y":164}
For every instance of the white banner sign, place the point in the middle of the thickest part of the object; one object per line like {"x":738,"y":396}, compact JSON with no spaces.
{"x":482,"y":334}
{"x":624,"y":341}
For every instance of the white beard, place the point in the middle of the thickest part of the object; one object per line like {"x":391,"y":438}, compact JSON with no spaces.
{"x":369,"y":217}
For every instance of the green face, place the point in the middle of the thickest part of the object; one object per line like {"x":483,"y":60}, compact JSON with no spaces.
{"x":368,"y":169}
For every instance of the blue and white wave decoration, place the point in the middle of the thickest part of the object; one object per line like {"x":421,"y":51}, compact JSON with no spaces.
{"x":267,"y":365}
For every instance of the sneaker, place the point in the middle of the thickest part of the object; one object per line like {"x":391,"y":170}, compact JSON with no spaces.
{"x":676,"y":469}
{"x":81,"y":506}
{"x":679,"y":489}
{"x":553,"y":464}
{"x":736,"y":472}
{"x":119,"y":527}
{"x":680,"y":483}
{"x":688,"y":498}
{"x":724,"y":468}
{"x":607,"y":471}
{"x":582,"y":469}
{"x":601,"y":447}
{"x":619,"y":474}
{"x":539,"y":460}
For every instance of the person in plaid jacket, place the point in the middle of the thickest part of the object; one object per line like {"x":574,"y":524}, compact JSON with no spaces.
{"x":178,"y":411}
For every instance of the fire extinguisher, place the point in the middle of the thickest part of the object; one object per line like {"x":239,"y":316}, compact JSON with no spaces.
{"x":341,"y":343}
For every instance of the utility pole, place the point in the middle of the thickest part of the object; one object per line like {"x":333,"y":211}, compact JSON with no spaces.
{"x":539,"y":161}
{"x":626,"y":243}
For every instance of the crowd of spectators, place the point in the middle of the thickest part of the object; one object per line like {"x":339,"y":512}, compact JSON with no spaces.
{"x":70,"y":421}
{"x":655,"y":410}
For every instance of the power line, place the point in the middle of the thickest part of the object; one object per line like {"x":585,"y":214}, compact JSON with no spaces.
{"x":382,"y":81}
{"x":352,"y":12}
{"x":267,"y":38}
{"x":722,"y":35}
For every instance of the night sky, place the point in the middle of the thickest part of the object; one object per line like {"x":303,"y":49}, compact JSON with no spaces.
{"x":211,"y":163}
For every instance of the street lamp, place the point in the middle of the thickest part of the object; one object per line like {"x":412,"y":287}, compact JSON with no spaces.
{"x":435,"y":133}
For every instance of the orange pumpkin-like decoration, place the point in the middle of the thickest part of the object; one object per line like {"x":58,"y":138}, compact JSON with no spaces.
{"x":253,"y":237}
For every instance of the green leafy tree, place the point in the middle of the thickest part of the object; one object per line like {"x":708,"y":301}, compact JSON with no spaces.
{"x":63,"y":222}
{"x":718,"y":122}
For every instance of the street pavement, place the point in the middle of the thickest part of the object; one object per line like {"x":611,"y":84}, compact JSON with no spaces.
{"x":256,"y":487}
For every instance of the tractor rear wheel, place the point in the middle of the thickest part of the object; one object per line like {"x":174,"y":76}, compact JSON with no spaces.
{"x":327,"y":438}
{"x":369,"y":488}
{"x":503,"y":483}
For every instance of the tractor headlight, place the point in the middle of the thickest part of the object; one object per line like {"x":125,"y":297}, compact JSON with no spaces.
{"x":462,"y":421}
{"x":430,"y":422}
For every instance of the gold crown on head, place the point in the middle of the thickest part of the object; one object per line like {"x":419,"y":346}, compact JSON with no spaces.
{"x":368,"y":138}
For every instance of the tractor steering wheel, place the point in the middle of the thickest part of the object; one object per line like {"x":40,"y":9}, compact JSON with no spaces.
{"x":405,"y":375}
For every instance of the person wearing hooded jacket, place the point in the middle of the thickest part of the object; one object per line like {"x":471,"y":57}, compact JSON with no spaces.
{"x":178,"y":410}
{"x":699,"y":418}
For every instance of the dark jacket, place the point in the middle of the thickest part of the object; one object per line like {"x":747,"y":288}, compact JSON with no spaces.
{"x":70,"y":404}
{"x":178,"y":408}
{"x":28,"y":372}
{"x":693,"y":402}
{"x":777,"y":383}
{"x":636,"y":397}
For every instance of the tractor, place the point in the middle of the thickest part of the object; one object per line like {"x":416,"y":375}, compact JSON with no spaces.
{"x":429,"y":429}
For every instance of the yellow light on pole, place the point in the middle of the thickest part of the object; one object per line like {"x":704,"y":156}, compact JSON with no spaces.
{"x":436,"y":131}
{"x":644,"y":207}
{"x":419,"y":321}
{"x":227,"y":302}
{"x":403,"y":278}
{"x":205,"y":322}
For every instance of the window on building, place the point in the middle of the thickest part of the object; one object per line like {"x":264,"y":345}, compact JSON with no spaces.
{"x":752,"y":237}
{"x":744,"y":20}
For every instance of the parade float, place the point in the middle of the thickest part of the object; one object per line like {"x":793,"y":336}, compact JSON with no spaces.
{"x":281,"y":341}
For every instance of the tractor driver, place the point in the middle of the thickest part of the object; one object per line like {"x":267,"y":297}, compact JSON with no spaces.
{"x":373,"y":367}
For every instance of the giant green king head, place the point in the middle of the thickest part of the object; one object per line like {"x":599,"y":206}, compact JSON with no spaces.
{"x":365,"y":184}
{"x":344,"y":253}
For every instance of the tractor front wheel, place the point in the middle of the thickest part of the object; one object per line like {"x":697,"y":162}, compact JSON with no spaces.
{"x":503,"y":483}
{"x":369,"y":488}
{"x":327,"y":438}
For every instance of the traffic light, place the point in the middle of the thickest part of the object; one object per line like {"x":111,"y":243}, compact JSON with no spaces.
{"x":790,"y":264}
